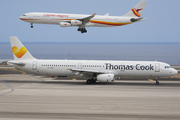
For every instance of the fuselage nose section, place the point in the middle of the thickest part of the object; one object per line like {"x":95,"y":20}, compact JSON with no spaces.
{"x":174,"y":71}
{"x":20,"y":17}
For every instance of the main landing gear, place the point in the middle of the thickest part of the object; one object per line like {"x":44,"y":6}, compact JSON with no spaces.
{"x":90,"y":81}
{"x":83,"y":30}
{"x":157,"y":82}
{"x":31,"y":25}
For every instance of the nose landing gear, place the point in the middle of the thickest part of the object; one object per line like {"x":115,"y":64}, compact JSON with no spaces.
{"x":31,"y":25}
{"x":157,"y":82}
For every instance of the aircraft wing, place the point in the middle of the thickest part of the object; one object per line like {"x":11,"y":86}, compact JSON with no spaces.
{"x":87,"y":71}
{"x":86,"y":19}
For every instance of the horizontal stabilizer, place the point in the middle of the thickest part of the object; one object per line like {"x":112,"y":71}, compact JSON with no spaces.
{"x":15,"y":63}
{"x":137,"y":19}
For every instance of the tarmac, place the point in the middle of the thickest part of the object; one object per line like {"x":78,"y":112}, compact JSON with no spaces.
{"x":29,"y":97}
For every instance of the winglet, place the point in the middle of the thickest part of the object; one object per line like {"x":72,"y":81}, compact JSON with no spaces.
{"x":106,"y":14}
{"x":93,"y":14}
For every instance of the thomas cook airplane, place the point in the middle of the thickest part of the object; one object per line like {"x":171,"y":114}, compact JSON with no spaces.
{"x":96,"y":70}
{"x":82,"y":21}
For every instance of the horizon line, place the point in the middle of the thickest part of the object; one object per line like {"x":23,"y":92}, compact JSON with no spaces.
{"x":94,"y":42}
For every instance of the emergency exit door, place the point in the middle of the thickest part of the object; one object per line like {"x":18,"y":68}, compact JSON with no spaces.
{"x":80,"y":66}
{"x":157,"y":67}
{"x":34,"y":65}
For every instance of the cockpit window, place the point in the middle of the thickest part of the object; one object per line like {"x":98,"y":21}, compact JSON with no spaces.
{"x":167,"y":67}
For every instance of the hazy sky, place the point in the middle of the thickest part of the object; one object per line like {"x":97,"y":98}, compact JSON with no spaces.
{"x":162,"y":22}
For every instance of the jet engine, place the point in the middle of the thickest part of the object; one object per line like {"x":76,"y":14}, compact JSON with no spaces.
{"x":65,"y":24}
{"x":76,"y":22}
{"x":105,"y":77}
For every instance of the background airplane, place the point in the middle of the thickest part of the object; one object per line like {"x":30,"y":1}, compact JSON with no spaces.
{"x":96,"y":70}
{"x":82,"y":21}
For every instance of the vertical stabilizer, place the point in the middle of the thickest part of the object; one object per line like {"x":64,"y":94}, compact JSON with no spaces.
{"x":137,"y":10}
{"x":18,"y":49}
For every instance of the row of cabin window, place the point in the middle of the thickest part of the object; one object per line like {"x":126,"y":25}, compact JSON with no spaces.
{"x":60,"y":65}
{"x":73,"y":65}
{"x":92,"y":66}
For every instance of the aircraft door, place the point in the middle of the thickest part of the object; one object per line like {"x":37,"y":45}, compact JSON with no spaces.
{"x":157,"y":67}
{"x":34,"y":65}
{"x":79,"y":65}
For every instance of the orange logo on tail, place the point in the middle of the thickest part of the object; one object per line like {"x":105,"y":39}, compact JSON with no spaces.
{"x":136,"y":12}
{"x":19,"y":52}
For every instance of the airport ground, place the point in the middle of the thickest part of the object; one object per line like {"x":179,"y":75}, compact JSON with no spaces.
{"x":29,"y":97}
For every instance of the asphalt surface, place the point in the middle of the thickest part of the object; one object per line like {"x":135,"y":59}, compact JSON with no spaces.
{"x":28,"y":97}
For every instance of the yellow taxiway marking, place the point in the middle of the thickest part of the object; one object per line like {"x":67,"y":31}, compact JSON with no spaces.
{"x":23,"y":73}
{"x":150,"y":80}
{"x":74,"y":79}
{"x":2,"y":77}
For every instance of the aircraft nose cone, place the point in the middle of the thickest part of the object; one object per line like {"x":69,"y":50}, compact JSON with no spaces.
{"x":174,"y":72}
{"x":20,"y":17}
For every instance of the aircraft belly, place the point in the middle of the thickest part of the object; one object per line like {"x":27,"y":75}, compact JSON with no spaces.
{"x":136,"y":73}
{"x":59,"y":71}
{"x":43,"y":21}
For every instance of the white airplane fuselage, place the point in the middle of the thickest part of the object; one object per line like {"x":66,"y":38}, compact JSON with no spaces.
{"x":118,"y":68}
{"x":97,"y":70}
{"x":57,"y":18}
{"x":82,"y":20}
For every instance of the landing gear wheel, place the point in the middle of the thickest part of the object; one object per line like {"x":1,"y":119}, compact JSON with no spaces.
{"x":157,"y":83}
{"x":83,"y":30}
{"x":79,"y":29}
{"x":93,"y":81}
{"x":89,"y":81}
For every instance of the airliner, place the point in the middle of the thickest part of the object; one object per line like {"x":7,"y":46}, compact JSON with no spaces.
{"x":81,"y":20}
{"x":95,"y":70}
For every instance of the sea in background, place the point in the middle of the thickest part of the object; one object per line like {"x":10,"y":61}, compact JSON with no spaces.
{"x":164,"y":52}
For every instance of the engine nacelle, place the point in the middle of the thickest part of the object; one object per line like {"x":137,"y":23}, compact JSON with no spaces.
{"x":65,"y":24}
{"x":76,"y":22}
{"x":105,"y":77}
